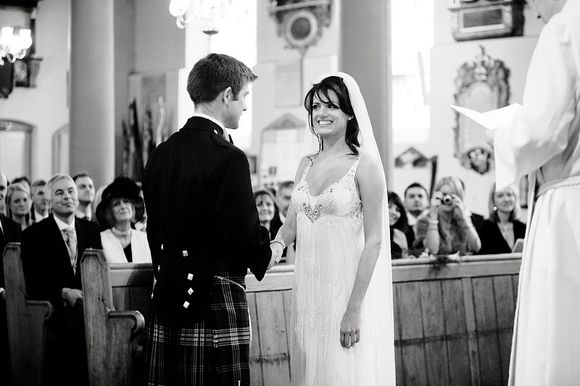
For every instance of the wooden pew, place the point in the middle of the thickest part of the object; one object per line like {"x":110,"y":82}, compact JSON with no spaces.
{"x":27,"y":321}
{"x":112,"y":347}
{"x":453,"y":322}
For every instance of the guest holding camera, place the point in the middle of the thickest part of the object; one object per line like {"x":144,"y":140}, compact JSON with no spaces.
{"x":447,"y":228}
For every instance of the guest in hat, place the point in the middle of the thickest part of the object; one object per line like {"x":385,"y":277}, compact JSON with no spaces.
{"x":116,"y":212}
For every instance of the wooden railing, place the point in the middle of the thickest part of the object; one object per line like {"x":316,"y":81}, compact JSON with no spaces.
{"x":453,"y":322}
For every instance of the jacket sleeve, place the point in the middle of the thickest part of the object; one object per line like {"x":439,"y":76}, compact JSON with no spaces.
{"x":238,"y":216}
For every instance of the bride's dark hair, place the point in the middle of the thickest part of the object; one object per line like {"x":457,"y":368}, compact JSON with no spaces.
{"x":320,"y":90}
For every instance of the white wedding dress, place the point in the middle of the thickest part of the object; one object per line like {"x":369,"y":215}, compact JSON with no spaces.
{"x":330,"y":241}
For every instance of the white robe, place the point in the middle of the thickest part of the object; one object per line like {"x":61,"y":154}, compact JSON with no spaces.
{"x":542,"y":140}
{"x":114,"y":251}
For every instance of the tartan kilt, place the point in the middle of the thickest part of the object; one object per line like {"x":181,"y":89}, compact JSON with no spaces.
{"x":214,"y":351}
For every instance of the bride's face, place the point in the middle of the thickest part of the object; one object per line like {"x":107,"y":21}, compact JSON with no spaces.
{"x":327,"y":117}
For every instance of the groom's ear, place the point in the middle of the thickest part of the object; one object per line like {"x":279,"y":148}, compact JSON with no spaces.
{"x":227,"y":95}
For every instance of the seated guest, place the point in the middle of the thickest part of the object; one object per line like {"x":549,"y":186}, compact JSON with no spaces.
{"x":21,"y":180}
{"x":3,"y":188}
{"x":416,"y":203}
{"x":267,"y":211}
{"x":283,"y":197}
{"x":39,"y":201}
{"x":86,"y":191}
{"x":51,"y":254}
{"x":9,"y":232}
{"x":447,"y":228}
{"x":401,"y":234}
{"x":18,"y":204}
{"x":116,"y":212}
{"x":499,"y":233}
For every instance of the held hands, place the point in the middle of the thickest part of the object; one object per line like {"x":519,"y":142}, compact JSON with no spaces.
{"x":350,"y":328}
{"x":277,"y":251}
{"x":74,"y":297}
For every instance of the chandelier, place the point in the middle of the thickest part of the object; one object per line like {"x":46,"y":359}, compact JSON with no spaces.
{"x":13,"y":45}
{"x":211,"y":13}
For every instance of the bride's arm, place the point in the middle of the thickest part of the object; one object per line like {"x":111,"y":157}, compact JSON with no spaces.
{"x":372,"y":192}
{"x":287,"y":232}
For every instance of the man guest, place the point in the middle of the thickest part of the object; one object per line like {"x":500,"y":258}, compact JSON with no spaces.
{"x":51,"y":254}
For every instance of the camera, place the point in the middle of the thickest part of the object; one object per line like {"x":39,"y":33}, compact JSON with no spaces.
{"x":447,"y":199}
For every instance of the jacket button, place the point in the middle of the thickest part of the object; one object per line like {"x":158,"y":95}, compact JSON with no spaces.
{"x":189,"y":276}
{"x":161,"y":246}
{"x":185,"y":304}
{"x":184,"y":253}
{"x":190,"y":291}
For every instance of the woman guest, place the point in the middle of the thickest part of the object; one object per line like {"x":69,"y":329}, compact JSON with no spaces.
{"x":499,"y":233}
{"x":447,"y":228}
{"x":267,"y":211}
{"x":402,"y":234}
{"x":18,"y":204}
{"x":116,"y":212}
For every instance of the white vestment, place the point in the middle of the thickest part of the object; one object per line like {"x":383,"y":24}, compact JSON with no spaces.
{"x":542,"y":140}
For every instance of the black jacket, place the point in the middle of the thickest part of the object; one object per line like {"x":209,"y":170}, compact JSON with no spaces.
{"x":202,"y":217}
{"x":45,"y":259}
{"x":492,"y":241}
{"x":10,"y":232}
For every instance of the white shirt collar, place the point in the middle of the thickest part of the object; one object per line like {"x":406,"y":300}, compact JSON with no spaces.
{"x":62,"y":225}
{"x":38,"y":216}
{"x":214,"y":120}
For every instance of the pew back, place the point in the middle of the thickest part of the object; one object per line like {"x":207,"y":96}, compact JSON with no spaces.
{"x":27,"y":323}
{"x":112,"y":349}
{"x":453,"y":322}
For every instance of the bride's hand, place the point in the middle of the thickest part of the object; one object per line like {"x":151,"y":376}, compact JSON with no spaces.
{"x":350,"y":328}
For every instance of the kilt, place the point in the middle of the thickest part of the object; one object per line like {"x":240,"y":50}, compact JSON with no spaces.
{"x":214,"y":351}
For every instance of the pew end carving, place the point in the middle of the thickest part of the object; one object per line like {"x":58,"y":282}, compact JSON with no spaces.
{"x":27,"y":323}
{"x":113,"y":344}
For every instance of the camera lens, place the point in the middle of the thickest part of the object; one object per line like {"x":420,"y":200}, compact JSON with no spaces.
{"x":446,"y":199}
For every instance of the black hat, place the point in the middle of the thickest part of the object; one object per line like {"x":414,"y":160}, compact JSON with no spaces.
{"x":121,"y":187}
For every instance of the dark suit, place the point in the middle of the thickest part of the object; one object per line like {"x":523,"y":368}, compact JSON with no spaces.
{"x":47,"y":270}
{"x":199,"y":199}
{"x":204,"y":234}
{"x":10,"y":232}
{"x":492,"y":241}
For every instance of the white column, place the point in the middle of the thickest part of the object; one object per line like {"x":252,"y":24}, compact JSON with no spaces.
{"x":92,"y":103}
{"x":365,"y":54}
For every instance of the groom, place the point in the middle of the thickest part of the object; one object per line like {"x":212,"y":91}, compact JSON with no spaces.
{"x":204,"y":234}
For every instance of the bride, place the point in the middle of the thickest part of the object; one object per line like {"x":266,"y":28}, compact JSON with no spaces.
{"x":342,"y":319}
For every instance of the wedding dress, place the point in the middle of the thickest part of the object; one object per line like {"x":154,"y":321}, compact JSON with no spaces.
{"x":330,"y":241}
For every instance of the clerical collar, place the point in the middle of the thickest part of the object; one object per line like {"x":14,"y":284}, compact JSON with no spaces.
{"x":214,"y":120}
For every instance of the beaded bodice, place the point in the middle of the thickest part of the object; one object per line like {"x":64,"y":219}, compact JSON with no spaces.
{"x":340,"y":199}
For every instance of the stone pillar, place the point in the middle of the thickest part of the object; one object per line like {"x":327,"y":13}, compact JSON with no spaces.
{"x":92,"y":90}
{"x":365,"y":54}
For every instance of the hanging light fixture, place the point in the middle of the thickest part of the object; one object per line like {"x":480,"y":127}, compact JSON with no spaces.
{"x":13,"y":45}
{"x":211,"y":13}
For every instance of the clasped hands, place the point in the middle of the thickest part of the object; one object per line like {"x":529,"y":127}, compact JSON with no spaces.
{"x":277,"y":251}
{"x":74,"y":297}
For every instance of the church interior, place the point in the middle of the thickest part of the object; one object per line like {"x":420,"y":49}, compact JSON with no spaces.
{"x":103,"y":82}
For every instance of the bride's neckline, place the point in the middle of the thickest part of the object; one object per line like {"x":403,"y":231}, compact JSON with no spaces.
{"x":307,"y":184}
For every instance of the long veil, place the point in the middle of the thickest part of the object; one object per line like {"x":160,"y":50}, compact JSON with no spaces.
{"x":380,"y":290}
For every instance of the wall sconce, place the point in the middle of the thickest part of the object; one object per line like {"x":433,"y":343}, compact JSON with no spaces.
{"x":13,"y":45}
{"x":211,"y":13}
